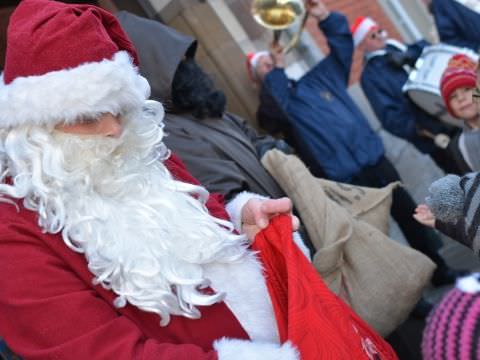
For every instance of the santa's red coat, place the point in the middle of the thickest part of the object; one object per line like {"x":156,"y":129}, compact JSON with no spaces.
{"x":49,"y":308}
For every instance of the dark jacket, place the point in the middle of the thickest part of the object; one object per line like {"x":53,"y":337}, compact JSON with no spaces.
{"x":456,"y":24}
{"x":329,"y":131}
{"x":456,"y":155}
{"x":382,"y":83}
{"x":222,"y":153}
{"x":270,"y":116}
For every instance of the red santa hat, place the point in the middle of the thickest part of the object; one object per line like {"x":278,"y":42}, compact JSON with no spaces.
{"x":361,"y":27}
{"x":252,"y":62}
{"x":65,"y":62}
{"x":460,"y":72}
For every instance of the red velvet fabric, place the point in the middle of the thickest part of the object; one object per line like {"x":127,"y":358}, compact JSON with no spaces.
{"x":49,"y":308}
{"x":45,"y":36}
{"x":308,"y":314}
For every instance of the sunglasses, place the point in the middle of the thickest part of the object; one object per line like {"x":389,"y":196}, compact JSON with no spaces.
{"x":378,"y":34}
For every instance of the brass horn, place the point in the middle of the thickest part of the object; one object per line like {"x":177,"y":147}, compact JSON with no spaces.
{"x":278,"y":15}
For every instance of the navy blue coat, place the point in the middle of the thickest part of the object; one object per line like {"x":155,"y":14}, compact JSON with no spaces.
{"x":329,"y":131}
{"x":456,"y":24}
{"x":382,"y":83}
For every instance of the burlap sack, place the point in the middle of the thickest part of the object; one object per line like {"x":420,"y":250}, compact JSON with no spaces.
{"x":368,"y":204}
{"x":381,"y":279}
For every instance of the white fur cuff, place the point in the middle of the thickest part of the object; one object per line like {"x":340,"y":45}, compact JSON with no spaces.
{"x":235,"y":206}
{"x":233,"y":349}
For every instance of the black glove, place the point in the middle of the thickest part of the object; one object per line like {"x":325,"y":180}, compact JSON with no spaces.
{"x":279,"y":144}
{"x":399,"y":59}
{"x":284,"y":147}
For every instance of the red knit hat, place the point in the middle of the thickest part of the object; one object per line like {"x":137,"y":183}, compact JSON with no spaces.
{"x":65,"y":62}
{"x":361,"y":27}
{"x":252,"y":61}
{"x":460,"y":72}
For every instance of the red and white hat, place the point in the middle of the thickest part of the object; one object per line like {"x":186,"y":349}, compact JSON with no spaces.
{"x":460,"y":72}
{"x":252,"y":62}
{"x":65,"y":62}
{"x":361,"y":27}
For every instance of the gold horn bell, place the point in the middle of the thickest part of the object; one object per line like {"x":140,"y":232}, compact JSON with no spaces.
{"x":278,"y":15}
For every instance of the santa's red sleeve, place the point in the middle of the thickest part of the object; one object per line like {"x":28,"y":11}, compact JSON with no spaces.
{"x":48,"y":312}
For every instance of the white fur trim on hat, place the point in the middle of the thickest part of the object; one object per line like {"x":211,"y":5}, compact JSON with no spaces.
{"x":86,"y":91}
{"x":362,"y":30}
{"x":234,"y":349}
{"x":256,"y":57}
{"x":469,"y":284}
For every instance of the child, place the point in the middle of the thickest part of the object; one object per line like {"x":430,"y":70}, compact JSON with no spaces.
{"x":453,"y":328}
{"x":453,"y":208}
{"x":453,"y":205}
{"x":457,"y":85}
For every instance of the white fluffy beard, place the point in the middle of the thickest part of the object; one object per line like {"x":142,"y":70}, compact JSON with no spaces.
{"x":145,"y":236}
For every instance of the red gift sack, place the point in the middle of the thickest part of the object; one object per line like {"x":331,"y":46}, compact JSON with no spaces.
{"x":308,"y":314}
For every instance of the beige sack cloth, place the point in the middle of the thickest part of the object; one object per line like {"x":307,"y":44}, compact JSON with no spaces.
{"x":381,"y":279}
{"x":368,"y":204}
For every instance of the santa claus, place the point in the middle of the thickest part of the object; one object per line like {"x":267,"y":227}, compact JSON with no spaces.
{"x":108,"y":248}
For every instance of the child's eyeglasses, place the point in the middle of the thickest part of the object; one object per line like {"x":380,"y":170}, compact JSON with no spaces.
{"x":476,"y":94}
{"x":378,"y":34}
{"x":476,"y":91}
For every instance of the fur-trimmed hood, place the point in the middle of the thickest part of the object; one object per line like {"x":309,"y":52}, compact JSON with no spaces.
{"x":160,"y":49}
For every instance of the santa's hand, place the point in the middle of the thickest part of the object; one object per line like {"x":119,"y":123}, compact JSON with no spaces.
{"x":256,"y":214}
{"x":424,"y":216}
